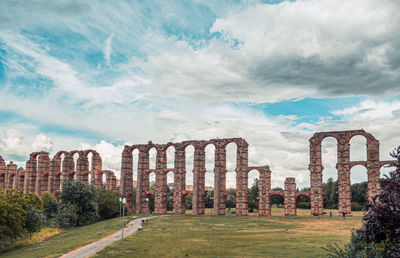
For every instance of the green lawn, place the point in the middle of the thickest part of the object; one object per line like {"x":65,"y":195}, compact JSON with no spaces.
{"x":227,"y":236}
{"x":68,"y":240}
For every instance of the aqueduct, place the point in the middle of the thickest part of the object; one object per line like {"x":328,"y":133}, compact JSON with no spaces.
{"x":45,"y":175}
{"x":42,"y":175}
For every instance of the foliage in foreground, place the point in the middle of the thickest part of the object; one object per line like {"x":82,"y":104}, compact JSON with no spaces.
{"x":380,"y":234}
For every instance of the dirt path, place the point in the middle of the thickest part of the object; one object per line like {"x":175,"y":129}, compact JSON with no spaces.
{"x":93,"y":248}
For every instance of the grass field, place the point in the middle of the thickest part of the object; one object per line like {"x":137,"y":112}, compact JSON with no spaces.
{"x":227,"y":236}
{"x":67,"y":240}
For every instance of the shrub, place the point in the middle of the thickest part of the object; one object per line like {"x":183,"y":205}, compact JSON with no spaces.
{"x":304,"y":205}
{"x":83,"y":198}
{"x":49,"y":205}
{"x":34,"y":220}
{"x":355,"y":206}
{"x":108,"y":202}
{"x":66,"y":215}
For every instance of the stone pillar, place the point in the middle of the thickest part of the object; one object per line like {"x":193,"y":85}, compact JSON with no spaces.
{"x":3,"y":172}
{"x":343,"y":167}
{"x":30,"y":174}
{"x":242,"y":178}
{"x":67,"y":173}
{"x":55,"y":173}
{"x":199,"y":170}
{"x":316,"y":169}
{"x":126,"y":183}
{"x":42,"y":173}
{"x":96,"y":169}
{"x":11,"y":176}
{"x":179,"y":179}
{"x":264,"y":188}
{"x":373,"y":169}
{"x":219,"y":179}
{"x":160,"y":191}
{"x":290,"y":196}
{"x":143,"y":180}
{"x":21,"y":179}
{"x":82,"y":167}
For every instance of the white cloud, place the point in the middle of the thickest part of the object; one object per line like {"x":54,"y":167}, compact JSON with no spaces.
{"x":108,"y":49}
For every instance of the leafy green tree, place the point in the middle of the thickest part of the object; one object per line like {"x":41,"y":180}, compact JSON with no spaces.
{"x":49,"y":205}
{"x":108,"y":202}
{"x":34,"y":200}
{"x":330,"y":195}
{"x":84,"y":198}
{"x":359,"y":192}
{"x":34,"y":220}
{"x":188,"y":201}
{"x":253,"y":191}
{"x":12,"y":216}
{"x":67,"y":215}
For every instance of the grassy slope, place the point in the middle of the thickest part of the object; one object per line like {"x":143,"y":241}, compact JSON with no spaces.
{"x":68,"y":240}
{"x":219,"y":236}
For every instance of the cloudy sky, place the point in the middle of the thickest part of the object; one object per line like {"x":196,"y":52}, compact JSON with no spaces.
{"x":75,"y":75}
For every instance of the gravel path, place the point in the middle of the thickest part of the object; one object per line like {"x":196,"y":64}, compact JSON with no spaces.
{"x":93,"y":248}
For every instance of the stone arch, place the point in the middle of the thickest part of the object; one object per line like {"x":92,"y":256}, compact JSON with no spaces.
{"x":272,"y":193}
{"x":357,"y":142}
{"x":3,"y":171}
{"x":298,"y":194}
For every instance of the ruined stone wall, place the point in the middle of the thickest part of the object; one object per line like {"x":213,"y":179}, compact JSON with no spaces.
{"x":343,"y":166}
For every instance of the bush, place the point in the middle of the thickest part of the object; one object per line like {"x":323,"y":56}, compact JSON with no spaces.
{"x":34,"y":220}
{"x":66,"y":215}
{"x":108,"y":202}
{"x":82,"y":198}
{"x":49,"y":205}
{"x":253,"y":206}
{"x":304,"y":205}
{"x":355,"y":206}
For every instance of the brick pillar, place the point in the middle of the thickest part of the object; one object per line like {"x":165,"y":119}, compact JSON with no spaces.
{"x":179,"y":179}
{"x":21,"y":178}
{"x":30,"y":174}
{"x":54,"y":177}
{"x":126,"y":183}
{"x":219,"y":179}
{"x":316,"y":169}
{"x":11,"y":176}
{"x":343,"y":167}
{"x":113,"y":182}
{"x":143,"y":180}
{"x":42,"y":173}
{"x":96,"y":170}
{"x":373,"y":169}
{"x":199,"y":170}
{"x":264,"y":188}
{"x":290,"y":196}
{"x":67,"y":173}
{"x":242,"y":178}
{"x":160,"y":191}
{"x":3,"y":172}
{"x":82,"y":167}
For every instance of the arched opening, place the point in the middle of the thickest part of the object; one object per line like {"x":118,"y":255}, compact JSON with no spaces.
{"x":329,"y":173}
{"x":90,"y":172}
{"x":103,"y":179}
{"x":75,"y":157}
{"x":188,"y":202}
{"x":151,"y":192}
{"x":135,"y":164}
{"x":359,"y":187}
{"x":303,"y":202}
{"x":252,"y":184}
{"x":2,"y":181}
{"x":230,"y":200}
{"x":277,"y":204}
{"x":358,"y":148}
{"x":152,"y":158}
{"x":170,"y":191}
{"x":152,"y":181}
{"x":329,"y":158}
{"x":189,"y":158}
{"x":209,"y":177}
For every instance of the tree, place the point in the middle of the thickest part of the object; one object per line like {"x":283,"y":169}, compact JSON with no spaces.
{"x":49,"y":205}
{"x":34,"y":220}
{"x":34,"y":200}
{"x":382,"y":222}
{"x":12,"y":216}
{"x":108,"y":202}
{"x":83,"y":198}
